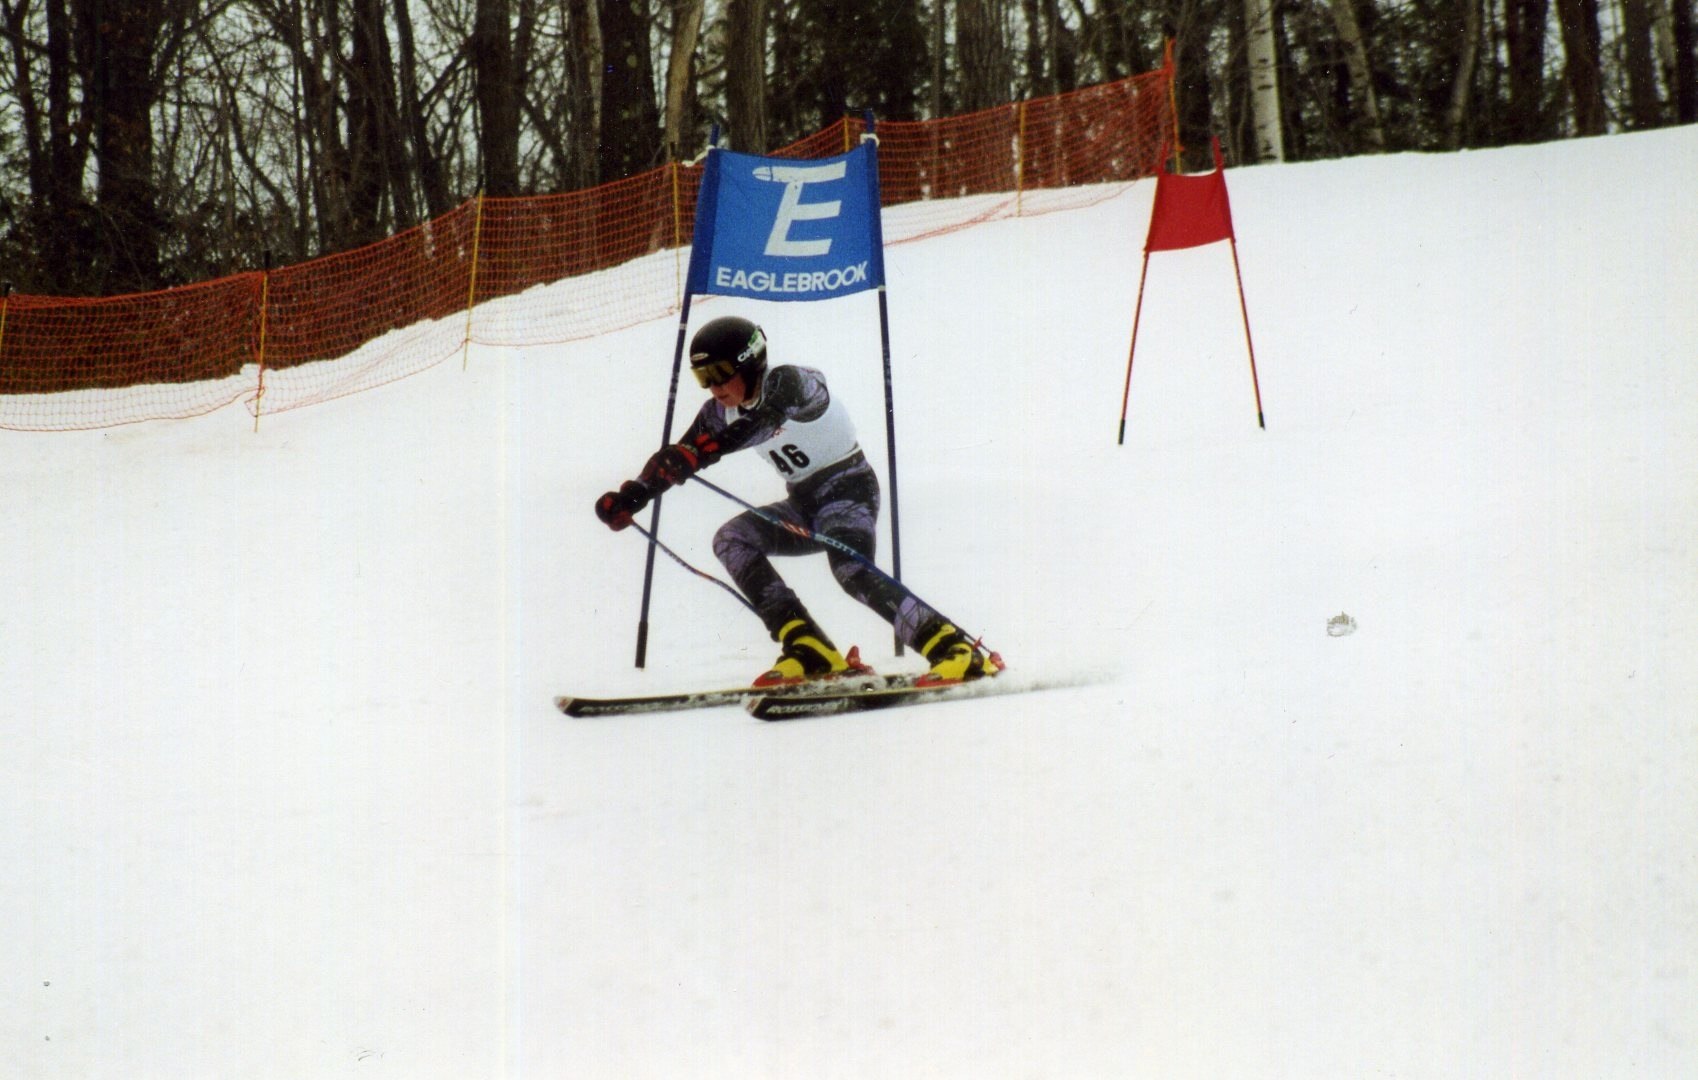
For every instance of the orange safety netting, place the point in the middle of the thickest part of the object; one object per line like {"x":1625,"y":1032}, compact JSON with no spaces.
{"x":349,"y":322}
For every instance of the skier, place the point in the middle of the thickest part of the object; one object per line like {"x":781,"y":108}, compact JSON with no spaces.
{"x":807,"y":435}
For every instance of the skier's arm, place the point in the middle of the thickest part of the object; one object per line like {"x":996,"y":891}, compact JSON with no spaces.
{"x":668,"y":467}
{"x":788,"y":395}
{"x":615,"y":508}
{"x":672,"y":465}
{"x":709,"y":438}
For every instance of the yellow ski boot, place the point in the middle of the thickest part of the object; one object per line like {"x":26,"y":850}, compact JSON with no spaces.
{"x":807,"y":655}
{"x":954,"y":658}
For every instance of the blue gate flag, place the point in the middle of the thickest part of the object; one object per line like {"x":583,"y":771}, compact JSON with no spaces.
{"x":787,"y":229}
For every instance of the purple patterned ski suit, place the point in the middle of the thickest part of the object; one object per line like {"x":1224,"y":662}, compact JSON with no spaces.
{"x":831,"y":490}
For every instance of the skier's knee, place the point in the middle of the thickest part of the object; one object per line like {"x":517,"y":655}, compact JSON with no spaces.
{"x":849,"y":575}
{"x":733,"y":545}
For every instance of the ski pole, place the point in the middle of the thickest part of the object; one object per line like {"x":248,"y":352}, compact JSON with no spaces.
{"x":792,"y":527}
{"x":655,"y":540}
{"x":809,"y":534}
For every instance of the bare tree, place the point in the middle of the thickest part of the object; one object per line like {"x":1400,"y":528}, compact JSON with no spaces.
{"x":150,"y":142}
{"x":413,"y":117}
{"x":1685,"y":63}
{"x":1038,"y":80}
{"x":120,"y":90}
{"x":1582,"y":64}
{"x":493,"y":65}
{"x":940,"y":25}
{"x":630,"y":117}
{"x":1462,"y":88}
{"x":1362,"y":95}
{"x":745,"y":74}
{"x":983,"y":70}
{"x":1524,"y":36}
{"x":373,"y":128}
{"x":1062,"y":49}
{"x":56,"y":217}
{"x":1645,"y":105}
{"x":583,"y":85}
{"x":680,"y":69}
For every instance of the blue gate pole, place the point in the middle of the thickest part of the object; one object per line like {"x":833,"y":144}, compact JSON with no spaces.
{"x":884,"y":345}
{"x":653,"y":531}
{"x":671,"y":407}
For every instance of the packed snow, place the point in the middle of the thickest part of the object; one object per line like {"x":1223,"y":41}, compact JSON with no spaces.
{"x":283,"y":792}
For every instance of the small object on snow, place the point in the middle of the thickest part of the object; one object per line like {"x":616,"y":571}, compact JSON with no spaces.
{"x":1340,"y":625}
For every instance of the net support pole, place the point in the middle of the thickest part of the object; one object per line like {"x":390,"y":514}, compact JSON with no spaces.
{"x":472,"y":282}
{"x":5,"y":302}
{"x":678,"y":229}
{"x":1019,"y":158}
{"x":259,"y":349}
{"x":1173,"y":99}
{"x":1137,"y":313}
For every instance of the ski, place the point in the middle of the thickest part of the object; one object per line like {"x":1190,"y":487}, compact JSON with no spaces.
{"x":707,"y":699}
{"x":619,"y":706}
{"x":814,"y":702}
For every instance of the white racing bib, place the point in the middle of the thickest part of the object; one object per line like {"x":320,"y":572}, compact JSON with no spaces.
{"x":800,"y":448}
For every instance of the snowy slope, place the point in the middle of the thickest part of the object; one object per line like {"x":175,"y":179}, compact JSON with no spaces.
{"x":282,"y":793}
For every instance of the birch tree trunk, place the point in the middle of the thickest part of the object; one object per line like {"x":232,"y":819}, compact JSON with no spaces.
{"x":1269,"y":140}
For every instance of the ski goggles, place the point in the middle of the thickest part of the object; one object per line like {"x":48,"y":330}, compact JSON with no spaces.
{"x":712,"y":373}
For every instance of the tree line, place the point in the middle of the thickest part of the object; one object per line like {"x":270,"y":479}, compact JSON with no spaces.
{"x":152,"y":143}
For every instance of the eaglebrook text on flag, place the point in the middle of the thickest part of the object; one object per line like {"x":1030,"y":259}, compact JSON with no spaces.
{"x":807,"y":281}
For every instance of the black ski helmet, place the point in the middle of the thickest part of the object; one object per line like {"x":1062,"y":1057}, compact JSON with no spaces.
{"x":726,"y":347}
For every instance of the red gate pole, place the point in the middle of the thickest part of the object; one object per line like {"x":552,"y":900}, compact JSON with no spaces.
{"x":1244,"y":309}
{"x":1137,"y":312}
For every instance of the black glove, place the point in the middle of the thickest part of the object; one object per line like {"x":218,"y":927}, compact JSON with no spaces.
{"x":669,"y":467}
{"x":706,"y":446}
{"x":673,"y":465}
{"x":616,"y":507}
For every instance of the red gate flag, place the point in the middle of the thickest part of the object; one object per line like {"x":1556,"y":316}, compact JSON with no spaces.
{"x":1190,"y":211}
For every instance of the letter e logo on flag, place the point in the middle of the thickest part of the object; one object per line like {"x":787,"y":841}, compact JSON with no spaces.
{"x":781,"y":229}
{"x":792,"y":209}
